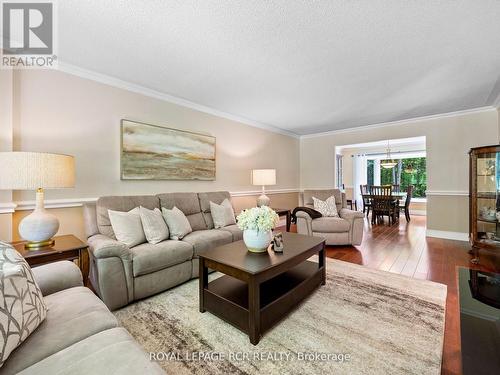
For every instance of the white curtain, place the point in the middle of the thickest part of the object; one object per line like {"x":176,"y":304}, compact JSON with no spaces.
{"x":359,"y":176}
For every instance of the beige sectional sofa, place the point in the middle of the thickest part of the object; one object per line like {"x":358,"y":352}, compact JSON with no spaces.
{"x":347,"y":229}
{"x":79,"y":335}
{"x":121,"y":275}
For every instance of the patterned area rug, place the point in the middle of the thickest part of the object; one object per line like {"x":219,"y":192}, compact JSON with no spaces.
{"x":363,"y":321}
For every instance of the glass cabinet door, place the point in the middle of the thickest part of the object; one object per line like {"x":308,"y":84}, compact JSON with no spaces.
{"x":488,"y":202}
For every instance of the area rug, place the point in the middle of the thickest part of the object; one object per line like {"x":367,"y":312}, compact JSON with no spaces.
{"x":363,"y":321}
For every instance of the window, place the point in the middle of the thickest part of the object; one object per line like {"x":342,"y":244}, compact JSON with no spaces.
{"x":340,"y":182}
{"x":409,"y":171}
{"x":370,"y":164}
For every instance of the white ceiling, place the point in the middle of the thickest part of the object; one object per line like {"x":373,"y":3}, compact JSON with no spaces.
{"x":301,"y":66}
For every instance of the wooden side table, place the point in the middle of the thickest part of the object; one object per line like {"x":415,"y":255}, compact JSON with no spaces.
{"x":285,"y":212}
{"x":66,"y":247}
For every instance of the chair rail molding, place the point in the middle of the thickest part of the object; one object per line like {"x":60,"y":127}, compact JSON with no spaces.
{"x":7,"y":207}
{"x":78,"y":202}
{"x":447,"y":193}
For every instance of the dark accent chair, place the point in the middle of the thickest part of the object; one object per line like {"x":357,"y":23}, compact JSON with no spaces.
{"x":383,"y":204}
{"x":406,"y":205}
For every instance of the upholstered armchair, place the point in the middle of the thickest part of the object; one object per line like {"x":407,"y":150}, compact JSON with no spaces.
{"x":347,"y":229}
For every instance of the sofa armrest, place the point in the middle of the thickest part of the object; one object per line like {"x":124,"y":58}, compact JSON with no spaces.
{"x":102,"y":247}
{"x":304,"y":223}
{"x":54,"y":277}
{"x":357,"y":221}
{"x":350,"y":215}
{"x":111,"y":270}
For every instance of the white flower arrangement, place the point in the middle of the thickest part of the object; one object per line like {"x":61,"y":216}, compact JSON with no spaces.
{"x":258,"y":218}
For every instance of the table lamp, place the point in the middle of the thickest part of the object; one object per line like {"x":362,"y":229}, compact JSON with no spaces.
{"x":263,"y":177}
{"x":37,"y":171}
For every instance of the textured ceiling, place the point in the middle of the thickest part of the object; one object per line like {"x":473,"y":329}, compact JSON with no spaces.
{"x":302,"y":66}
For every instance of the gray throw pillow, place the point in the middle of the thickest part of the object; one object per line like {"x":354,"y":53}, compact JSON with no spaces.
{"x":222,"y":214}
{"x":155,"y":228}
{"x":178,"y":224}
{"x":127,"y":226}
{"x":23,"y":307}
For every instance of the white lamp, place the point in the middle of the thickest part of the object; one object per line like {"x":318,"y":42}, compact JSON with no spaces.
{"x":263,"y":177}
{"x":37,"y":171}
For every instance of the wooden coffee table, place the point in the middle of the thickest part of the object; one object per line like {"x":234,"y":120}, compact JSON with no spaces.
{"x":258,"y":290}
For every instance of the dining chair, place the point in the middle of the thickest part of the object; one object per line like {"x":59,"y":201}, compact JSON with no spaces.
{"x":406,"y":205}
{"x":366,"y":199}
{"x":383,"y":204}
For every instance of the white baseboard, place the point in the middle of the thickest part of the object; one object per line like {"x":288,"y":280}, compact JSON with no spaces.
{"x":458,"y":236}
{"x":418,"y":212}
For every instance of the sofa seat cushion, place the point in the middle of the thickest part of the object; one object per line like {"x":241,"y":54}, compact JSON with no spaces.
{"x":112,"y":351}
{"x":202,"y":240}
{"x":236,"y":232}
{"x":149,"y":258}
{"x":73,"y":315}
{"x":330,"y":225}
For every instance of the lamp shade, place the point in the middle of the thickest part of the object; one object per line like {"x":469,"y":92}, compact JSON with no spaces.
{"x":264,"y":177}
{"x":33,"y":170}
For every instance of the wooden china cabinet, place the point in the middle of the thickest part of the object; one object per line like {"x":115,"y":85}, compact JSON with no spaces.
{"x":484,"y":199}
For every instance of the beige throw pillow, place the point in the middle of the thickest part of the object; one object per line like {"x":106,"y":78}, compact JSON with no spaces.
{"x":222,"y":214}
{"x":127,"y":226}
{"x":23,"y":307}
{"x":326,"y":208}
{"x":154,"y":225}
{"x":178,"y":224}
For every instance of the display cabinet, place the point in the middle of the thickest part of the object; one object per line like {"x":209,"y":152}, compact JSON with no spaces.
{"x":484,"y":202}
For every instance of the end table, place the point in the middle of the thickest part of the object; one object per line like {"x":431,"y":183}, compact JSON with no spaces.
{"x":67,"y":247}
{"x":285,"y":212}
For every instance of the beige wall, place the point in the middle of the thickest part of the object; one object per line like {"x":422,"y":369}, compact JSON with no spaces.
{"x":6,"y":121}
{"x":448,"y":139}
{"x":59,"y":112}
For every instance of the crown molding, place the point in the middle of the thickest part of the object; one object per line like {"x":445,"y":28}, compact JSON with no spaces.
{"x":400,"y":122}
{"x":138,"y":89}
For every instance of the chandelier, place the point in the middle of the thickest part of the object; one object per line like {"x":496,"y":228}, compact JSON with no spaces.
{"x":388,"y":163}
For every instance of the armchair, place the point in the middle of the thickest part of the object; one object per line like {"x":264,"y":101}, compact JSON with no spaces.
{"x":347,"y":229}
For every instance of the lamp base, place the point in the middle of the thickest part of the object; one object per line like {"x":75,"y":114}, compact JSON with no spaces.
{"x":35,"y":245}
{"x":39,"y":227}
{"x":263,"y":200}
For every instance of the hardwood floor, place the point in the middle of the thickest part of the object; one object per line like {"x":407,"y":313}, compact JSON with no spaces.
{"x":403,"y":248}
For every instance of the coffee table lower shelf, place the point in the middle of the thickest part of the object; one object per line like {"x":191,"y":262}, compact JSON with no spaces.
{"x":228,"y":297}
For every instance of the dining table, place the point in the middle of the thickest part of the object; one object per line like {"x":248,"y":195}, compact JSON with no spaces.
{"x":396,"y":195}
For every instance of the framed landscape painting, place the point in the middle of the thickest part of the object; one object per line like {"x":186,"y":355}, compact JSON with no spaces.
{"x":150,"y":152}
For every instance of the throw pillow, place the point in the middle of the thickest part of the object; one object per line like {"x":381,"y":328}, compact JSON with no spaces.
{"x":127,"y":226}
{"x":222,"y":214}
{"x":23,"y":307}
{"x":326,"y":208}
{"x":154,"y":225}
{"x":177,"y":222}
